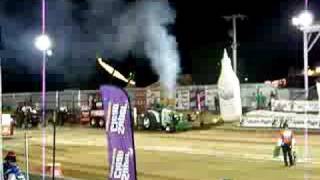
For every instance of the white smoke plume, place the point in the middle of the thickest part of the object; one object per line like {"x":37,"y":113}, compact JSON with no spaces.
{"x":109,"y":28}
{"x":143,"y":28}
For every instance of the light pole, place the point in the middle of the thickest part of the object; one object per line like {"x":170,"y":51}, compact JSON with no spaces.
{"x":304,"y":22}
{"x":234,"y":18}
{"x":43,"y":43}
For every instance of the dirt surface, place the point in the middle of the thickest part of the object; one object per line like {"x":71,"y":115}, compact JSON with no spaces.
{"x":209,"y":154}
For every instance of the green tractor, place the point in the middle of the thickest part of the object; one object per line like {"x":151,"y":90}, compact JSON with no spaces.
{"x":165,"y":119}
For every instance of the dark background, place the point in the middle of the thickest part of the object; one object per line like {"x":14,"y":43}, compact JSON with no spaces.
{"x":269,"y":45}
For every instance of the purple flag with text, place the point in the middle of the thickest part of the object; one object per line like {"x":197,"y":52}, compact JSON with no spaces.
{"x":119,"y":132}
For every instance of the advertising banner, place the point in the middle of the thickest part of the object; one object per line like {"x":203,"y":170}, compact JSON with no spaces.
{"x":278,"y":121}
{"x":152,"y":97}
{"x":256,"y":122}
{"x":119,"y":132}
{"x":197,"y":99}
{"x":295,"y":106}
{"x":211,"y":92}
{"x":182,"y":99}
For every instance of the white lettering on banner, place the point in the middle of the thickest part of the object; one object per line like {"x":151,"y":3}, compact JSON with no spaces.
{"x":121,"y":119}
{"x":118,"y":167}
{"x":257,"y":122}
{"x":118,"y":118}
{"x":125,"y":171}
{"x":113,"y":162}
{"x":295,"y":106}
{"x":121,"y":166}
{"x":114,"y":118}
{"x":312,"y":124}
{"x":293,"y":121}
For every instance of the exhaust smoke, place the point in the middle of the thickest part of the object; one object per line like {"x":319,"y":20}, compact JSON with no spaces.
{"x":110,"y":28}
{"x":143,"y":29}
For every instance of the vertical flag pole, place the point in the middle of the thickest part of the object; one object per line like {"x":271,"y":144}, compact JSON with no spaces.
{"x":43,"y":94}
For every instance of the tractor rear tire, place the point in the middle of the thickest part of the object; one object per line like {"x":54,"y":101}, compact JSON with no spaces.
{"x":93,"y":122}
{"x":168,"y":129}
{"x":101,"y":123}
{"x":140,"y":122}
{"x":150,"y":122}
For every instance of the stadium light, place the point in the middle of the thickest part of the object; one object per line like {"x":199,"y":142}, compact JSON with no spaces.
{"x":304,"y":22}
{"x":305,"y":19}
{"x":43,"y":42}
{"x":49,"y":52}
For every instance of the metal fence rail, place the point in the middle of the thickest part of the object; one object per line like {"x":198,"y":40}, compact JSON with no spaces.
{"x":74,"y":99}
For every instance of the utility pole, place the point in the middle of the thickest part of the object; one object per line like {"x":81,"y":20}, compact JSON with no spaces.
{"x":234,"y":18}
{"x":305,"y":64}
{"x":305,"y":23}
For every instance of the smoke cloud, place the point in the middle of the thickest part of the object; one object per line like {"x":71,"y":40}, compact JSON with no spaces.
{"x":143,"y":29}
{"x":108,"y":28}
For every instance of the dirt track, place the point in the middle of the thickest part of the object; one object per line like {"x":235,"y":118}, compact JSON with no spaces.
{"x":206,"y":154}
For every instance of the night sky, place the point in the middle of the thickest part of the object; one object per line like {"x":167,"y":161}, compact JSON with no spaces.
{"x":269,"y":44}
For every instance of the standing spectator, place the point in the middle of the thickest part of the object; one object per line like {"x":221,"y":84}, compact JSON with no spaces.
{"x":19,"y":115}
{"x":216,"y":103}
{"x":258,"y":99}
{"x":272,"y":98}
{"x":26,"y":109}
{"x":287,"y":143}
{"x":263,"y":100}
{"x":62,"y":115}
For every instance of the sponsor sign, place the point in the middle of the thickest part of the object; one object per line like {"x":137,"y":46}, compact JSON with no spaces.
{"x":153,"y":97}
{"x":197,"y":99}
{"x":278,"y":121}
{"x":182,"y":99}
{"x":210,"y":94}
{"x":295,"y":106}
{"x":119,"y":132}
{"x":257,"y":122}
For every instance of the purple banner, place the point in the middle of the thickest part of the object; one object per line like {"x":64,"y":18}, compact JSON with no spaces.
{"x":119,"y":131}
{"x":198,"y":99}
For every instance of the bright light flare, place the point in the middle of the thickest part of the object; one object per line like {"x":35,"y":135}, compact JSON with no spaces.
{"x":295,"y":21}
{"x":305,"y":19}
{"x":49,"y":52}
{"x":43,"y":42}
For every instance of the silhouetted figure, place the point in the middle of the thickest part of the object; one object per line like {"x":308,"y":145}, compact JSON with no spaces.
{"x":272,"y":98}
{"x":216,"y":104}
